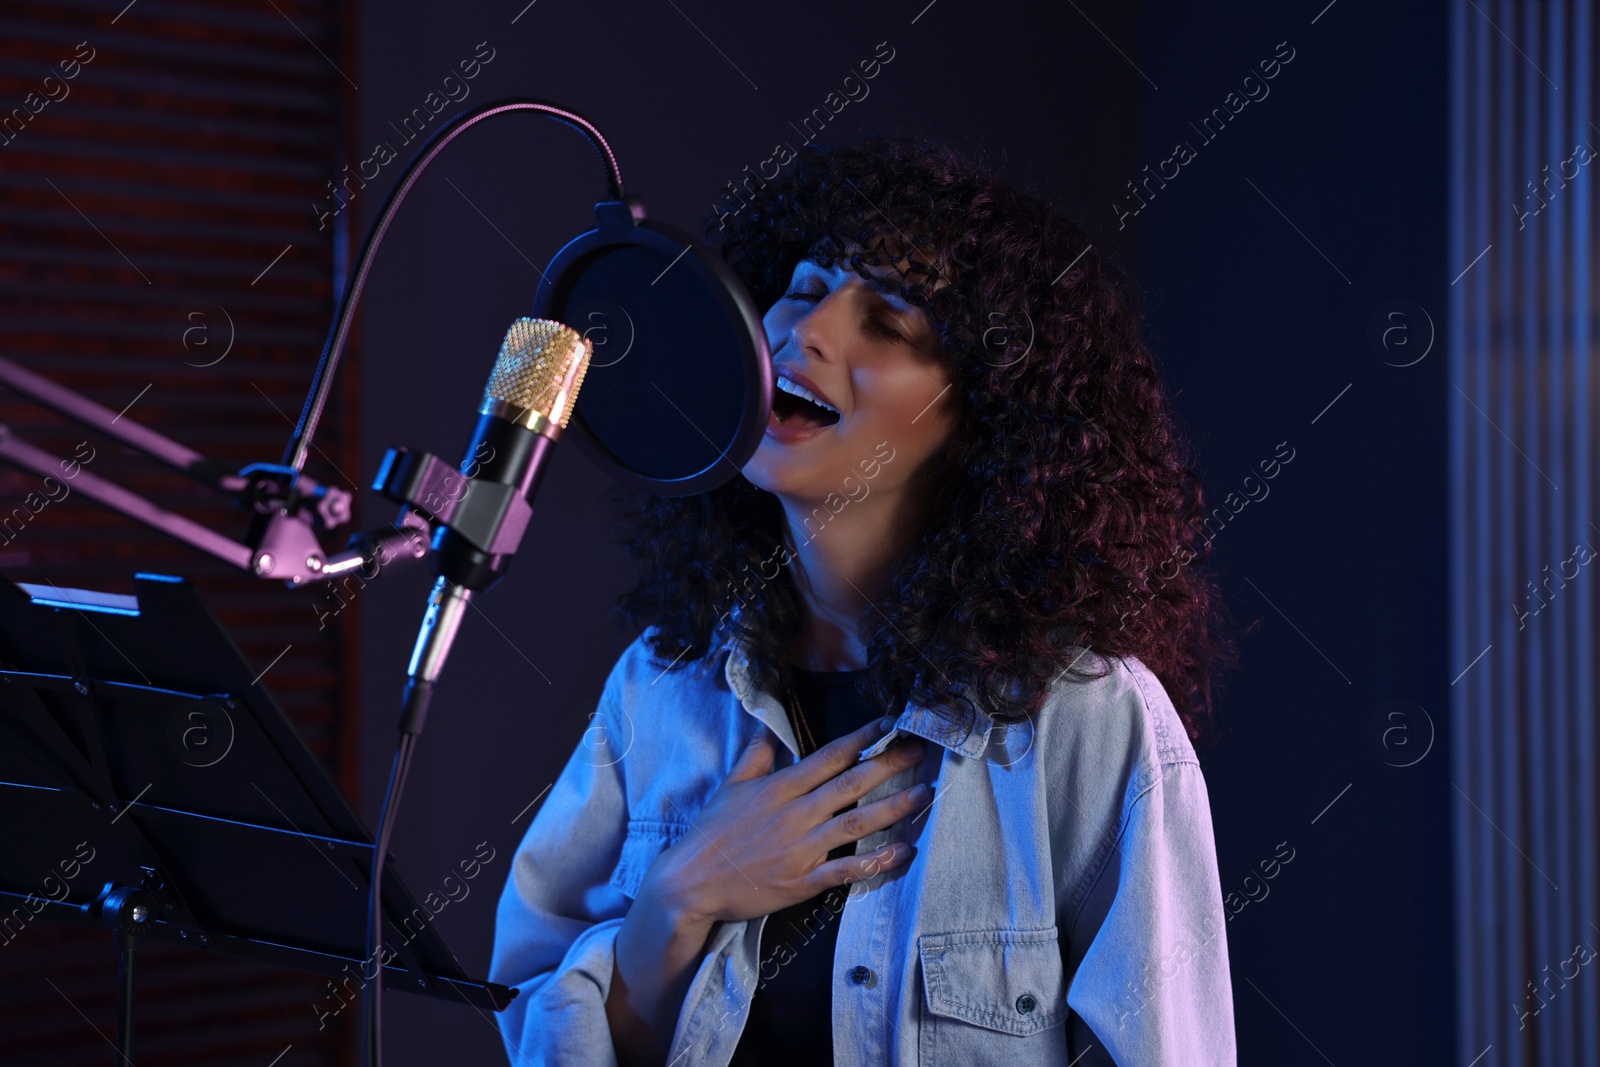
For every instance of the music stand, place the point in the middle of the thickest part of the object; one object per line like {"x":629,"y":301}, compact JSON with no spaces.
{"x":150,"y":785}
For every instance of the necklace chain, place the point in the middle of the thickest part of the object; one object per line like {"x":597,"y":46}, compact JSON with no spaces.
{"x":797,"y":720}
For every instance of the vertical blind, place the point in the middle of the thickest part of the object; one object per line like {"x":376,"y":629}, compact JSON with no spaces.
{"x":1523,"y":346}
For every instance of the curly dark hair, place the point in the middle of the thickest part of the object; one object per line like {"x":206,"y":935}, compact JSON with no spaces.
{"x":1070,"y":497}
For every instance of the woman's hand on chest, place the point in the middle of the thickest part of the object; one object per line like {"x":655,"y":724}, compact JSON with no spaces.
{"x":761,"y":841}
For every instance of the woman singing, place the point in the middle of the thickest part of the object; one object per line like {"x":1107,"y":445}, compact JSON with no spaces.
{"x":901,"y":769}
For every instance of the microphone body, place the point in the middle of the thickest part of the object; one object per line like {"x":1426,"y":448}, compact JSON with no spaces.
{"x":503,"y":452}
{"x":526,"y":405}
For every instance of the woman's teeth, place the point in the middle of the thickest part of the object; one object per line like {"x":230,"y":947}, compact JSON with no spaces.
{"x":796,"y":389}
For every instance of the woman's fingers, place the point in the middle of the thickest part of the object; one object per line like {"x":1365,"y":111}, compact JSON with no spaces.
{"x":861,"y":778}
{"x":852,"y":825}
{"x":848,"y":869}
{"x":829,"y":760}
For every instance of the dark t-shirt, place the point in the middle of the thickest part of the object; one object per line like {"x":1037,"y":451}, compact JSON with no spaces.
{"x":791,"y":1014}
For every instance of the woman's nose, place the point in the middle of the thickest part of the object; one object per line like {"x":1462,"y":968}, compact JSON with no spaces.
{"x":811,"y":331}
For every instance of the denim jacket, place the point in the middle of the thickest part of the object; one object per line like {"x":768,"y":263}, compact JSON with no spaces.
{"x":1062,"y":907}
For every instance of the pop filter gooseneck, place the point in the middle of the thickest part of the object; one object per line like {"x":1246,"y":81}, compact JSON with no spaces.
{"x":322,"y":383}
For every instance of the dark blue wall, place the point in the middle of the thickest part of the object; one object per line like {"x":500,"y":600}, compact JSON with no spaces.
{"x":1261,"y":312}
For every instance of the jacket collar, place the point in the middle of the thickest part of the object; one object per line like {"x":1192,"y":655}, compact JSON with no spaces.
{"x":970,"y":740}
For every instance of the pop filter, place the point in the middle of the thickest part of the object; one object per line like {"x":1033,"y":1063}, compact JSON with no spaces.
{"x":679,"y":390}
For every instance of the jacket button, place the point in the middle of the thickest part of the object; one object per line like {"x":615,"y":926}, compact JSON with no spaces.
{"x":860,"y":975}
{"x":1026,"y":1003}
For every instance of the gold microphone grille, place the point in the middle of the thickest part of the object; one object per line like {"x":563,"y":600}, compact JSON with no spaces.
{"x":540,"y":368}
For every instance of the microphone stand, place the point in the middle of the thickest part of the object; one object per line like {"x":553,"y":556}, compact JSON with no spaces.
{"x":287,"y":507}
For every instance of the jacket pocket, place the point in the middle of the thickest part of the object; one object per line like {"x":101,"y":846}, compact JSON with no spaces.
{"x":993,"y":996}
{"x":646,"y":840}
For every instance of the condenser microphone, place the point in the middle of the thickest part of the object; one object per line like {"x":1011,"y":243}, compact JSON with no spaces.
{"x":525,"y":407}
{"x":484,"y":510}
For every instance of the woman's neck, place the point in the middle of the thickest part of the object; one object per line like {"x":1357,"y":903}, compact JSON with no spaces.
{"x":838,"y":568}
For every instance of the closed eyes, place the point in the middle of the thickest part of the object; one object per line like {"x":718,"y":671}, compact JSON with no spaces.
{"x":871,"y":323}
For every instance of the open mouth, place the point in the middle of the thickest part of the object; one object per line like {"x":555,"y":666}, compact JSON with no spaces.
{"x":793,"y":405}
